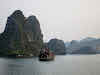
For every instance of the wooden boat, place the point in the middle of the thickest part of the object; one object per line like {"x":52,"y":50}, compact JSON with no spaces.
{"x":48,"y":57}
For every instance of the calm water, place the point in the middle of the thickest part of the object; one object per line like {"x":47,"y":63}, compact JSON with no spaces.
{"x":63,"y":65}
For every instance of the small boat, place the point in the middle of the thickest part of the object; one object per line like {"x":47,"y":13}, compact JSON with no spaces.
{"x":19,"y":56}
{"x":24,"y":56}
{"x":46,"y":56}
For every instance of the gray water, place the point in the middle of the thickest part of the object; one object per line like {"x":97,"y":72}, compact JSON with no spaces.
{"x":62,"y":65}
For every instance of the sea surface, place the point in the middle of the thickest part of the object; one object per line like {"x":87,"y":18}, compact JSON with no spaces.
{"x":62,"y":65}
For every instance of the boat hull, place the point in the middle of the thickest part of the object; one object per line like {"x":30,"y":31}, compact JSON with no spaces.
{"x":49,"y":58}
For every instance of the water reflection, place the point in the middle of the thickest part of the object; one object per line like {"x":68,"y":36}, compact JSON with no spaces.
{"x":63,"y":65}
{"x":19,"y":67}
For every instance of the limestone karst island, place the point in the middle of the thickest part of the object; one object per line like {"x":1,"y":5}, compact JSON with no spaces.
{"x":22,"y":36}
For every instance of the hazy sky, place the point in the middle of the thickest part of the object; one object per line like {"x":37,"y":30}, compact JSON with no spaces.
{"x":62,"y":19}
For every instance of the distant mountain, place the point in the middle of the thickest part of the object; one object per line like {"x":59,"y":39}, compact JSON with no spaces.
{"x":21,"y":34}
{"x":57,"y":46}
{"x":73,"y":46}
{"x":88,"y":39}
{"x":85,"y":46}
{"x":67,"y":44}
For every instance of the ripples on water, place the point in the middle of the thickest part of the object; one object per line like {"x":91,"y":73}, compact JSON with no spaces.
{"x":62,"y":65}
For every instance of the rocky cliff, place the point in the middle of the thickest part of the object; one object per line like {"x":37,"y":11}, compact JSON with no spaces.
{"x":21,"y":33}
{"x":57,"y":46}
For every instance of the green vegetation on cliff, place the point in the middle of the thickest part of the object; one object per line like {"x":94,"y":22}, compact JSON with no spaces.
{"x":21,"y":35}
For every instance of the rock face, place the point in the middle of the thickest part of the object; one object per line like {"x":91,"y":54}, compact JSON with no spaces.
{"x":57,"y":46}
{"x":21,"y":34}
{"x":32,"y":29}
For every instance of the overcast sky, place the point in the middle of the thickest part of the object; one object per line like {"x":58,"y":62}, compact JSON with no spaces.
{"x":63,"y":19}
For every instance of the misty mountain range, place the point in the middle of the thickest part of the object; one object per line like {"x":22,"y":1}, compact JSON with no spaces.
{"x":88,"y":45}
